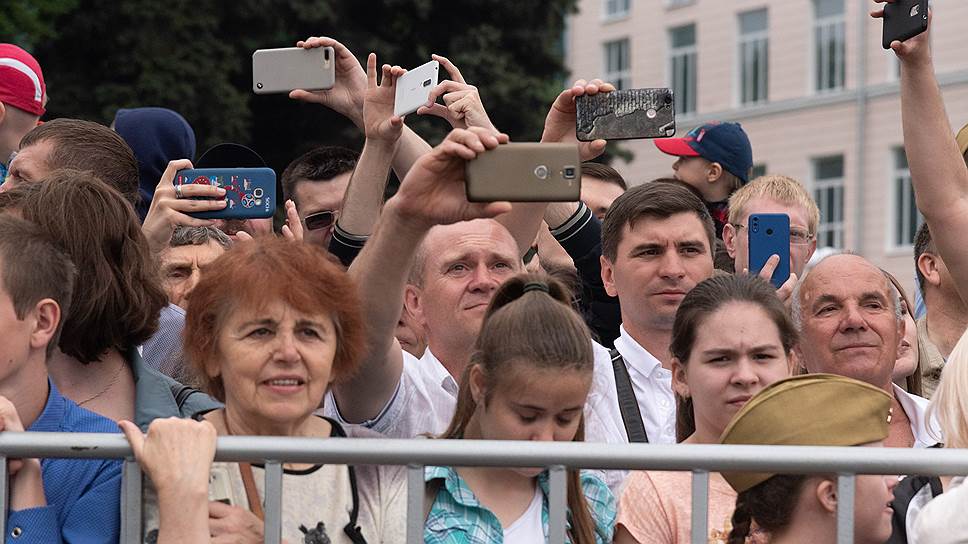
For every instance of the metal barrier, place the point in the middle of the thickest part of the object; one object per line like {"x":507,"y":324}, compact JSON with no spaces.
{"x":699,"y":459}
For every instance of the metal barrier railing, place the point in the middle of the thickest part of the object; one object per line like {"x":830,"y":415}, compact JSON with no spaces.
{"x":557,"y":456}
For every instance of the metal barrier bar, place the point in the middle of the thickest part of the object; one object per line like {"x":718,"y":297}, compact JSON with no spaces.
{"x":273,"y":503}
{"x":4,"y":496}
{"x":845,"y":508}
{"x":700,"y":507}
{"x":557,"y":504}
{"x":130,"y":501}
{"x":489,"y":453}
{"x":415,"y":503}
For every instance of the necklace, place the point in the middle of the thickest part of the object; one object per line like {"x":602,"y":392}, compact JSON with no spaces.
{"x":114,"y":380}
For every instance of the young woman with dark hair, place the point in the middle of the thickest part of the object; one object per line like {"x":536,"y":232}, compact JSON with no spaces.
{"x":528,"y":378}
{"x":730,"y":339}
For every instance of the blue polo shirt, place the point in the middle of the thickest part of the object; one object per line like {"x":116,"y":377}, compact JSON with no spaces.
{"x":83,"y":495}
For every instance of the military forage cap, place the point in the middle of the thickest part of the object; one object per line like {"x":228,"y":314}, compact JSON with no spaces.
{"x":808,"y":410}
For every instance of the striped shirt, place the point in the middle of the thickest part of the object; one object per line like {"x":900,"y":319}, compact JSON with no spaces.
{"x":456,"y":516}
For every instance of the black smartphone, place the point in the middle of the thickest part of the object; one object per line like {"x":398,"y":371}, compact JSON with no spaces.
{"x":903,"y":20}
{"x":626,"y":114}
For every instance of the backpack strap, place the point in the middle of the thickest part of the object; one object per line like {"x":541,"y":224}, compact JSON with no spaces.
{"x":627,"y":403}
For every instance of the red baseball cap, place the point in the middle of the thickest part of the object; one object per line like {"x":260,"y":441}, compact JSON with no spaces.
{"x":21,"y":80}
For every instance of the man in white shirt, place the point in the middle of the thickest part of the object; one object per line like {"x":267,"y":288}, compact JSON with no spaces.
{"x":850,"y":320}
{"x":656,"y":246}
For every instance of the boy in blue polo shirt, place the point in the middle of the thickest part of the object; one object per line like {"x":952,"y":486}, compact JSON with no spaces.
{"x":51,"y":500}
{"x":715,"y":159}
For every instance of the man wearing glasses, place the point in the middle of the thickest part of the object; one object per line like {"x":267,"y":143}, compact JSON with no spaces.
{"x":316,"y":182}
{"x":773,"y":194}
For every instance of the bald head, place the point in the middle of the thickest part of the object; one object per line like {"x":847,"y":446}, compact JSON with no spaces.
{"x":850,"y":320}
{"x":486,"y":232}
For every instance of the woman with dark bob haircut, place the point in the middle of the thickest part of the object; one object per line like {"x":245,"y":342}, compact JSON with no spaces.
{"x":271,"y":325}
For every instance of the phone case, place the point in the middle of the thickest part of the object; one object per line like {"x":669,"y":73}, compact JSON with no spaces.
{"x":250,"y":192}
{"x":413,"y":88}
{"x":769,"y":234}
{"x":282,"y":70}
{"x":525,"y":172}
{"x":904,"y":20}
{"x":628,"y":114}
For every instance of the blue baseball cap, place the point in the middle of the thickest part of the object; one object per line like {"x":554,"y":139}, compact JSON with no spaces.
{"x":725,"y":143}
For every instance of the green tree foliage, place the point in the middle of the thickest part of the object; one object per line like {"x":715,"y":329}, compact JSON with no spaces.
{"x":195,"y":57}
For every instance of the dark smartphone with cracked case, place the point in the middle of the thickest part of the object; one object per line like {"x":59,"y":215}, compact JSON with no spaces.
{"x":525,"y":172}
{"x":282,"y":70}
{"x":625,"y":115}
{"x":250,"y":193}
{"x":769,"y":234}
{"x":903,"y":20}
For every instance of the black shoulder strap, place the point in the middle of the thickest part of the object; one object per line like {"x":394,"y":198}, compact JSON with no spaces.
{"x":351,"y":530}
{"x":627,"y":403}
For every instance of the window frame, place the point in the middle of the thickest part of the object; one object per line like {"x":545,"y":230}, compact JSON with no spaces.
{"x":690,"y":53}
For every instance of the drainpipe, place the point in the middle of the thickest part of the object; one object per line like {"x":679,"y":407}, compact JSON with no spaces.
{"x":860,"y":171}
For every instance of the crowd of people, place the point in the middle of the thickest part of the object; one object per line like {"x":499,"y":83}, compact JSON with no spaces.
{"x":630,"y":316}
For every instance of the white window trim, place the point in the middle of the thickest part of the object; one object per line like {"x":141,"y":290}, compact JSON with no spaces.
{"x":893,"y":248}
{"x":742,"y":40}
{"x":820,"y":184}
{"x":672,"y":4}
{"x":819,"y":22}
{"x":618,"y":15}
{"x":614,"y":76}
{"x":682,"y":51}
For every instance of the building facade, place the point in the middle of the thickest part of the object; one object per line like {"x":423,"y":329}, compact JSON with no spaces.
{"x":807,"y":79}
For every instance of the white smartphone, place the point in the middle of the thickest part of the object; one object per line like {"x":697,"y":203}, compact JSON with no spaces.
{"x":288,"y":68}
{"x":220,"y":485}
{"x":413,"y":88}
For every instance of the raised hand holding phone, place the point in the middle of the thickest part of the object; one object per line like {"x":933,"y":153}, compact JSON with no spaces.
{"x":413,"y":88}
{"x":769,"y":238}
{"x":379,"y":120}
{"x":170,"y":208}
{"x":346,"y":95}
{"x":915,"y":47}
{"x":561,"y":119}
{"x":462,"y":105}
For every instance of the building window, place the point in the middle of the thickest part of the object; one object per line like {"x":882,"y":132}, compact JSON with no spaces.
{"x":758,"y":171}
{"x":753,"y":56}
{"x":907,"y":218}
{"x":617,"y":64}
{"x":682,"y":67}
{"x":828,"y":191}
{"x":829,"y":44}
{"x":616,"y":9}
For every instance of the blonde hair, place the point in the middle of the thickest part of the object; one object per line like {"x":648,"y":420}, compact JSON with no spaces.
{"x":780,"y":188}
{"x":948,"y":405}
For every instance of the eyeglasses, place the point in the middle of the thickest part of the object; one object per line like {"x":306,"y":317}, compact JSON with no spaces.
{"x":798,"y":236}
{"x":321,"y":220}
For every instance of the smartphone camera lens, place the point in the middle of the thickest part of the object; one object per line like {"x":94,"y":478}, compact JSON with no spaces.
{"x":569,"y":172}
{"x":541,"y":172}
{"x":326,"y":55}
{"x":426,"y":83}
{"x":258,"y":85}
{"x":769,"y":232}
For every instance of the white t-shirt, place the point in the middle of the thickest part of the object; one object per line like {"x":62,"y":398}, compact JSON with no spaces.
{"x":528,"y":528}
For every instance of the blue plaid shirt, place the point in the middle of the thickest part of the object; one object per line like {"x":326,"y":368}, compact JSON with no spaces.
{"x":457,"y":517}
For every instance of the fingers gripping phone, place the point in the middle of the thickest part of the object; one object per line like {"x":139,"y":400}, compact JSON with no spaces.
{"x":525,"y":172}
{"x":413,"y":88}
{"x":288,"y":68}
{"x":250,"y":193}
{"x":628,"y":114}
{"x":903,"y":20}
{"x":769,"y":234}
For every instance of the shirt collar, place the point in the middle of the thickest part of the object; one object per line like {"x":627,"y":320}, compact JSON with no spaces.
{"x":436,"y":369}
{"x":52,"y":416}
{"x":636,"y":357}
{"x":926,"y":433}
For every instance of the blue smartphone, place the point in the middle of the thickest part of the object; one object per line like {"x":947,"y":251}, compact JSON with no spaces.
{"x":250,"y":193}
{"x":769,"y":234}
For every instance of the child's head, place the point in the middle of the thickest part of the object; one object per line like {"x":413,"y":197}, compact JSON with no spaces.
{"x":531,"y":368}
{"x":715,"y":158}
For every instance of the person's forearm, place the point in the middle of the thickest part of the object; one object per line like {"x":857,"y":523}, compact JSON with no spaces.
{"x":381,"y":270}
{"x":523,"y":222}
{"x":937,"y":168}
{"x":557,"y":213}
{"x":183,"y":517}
{"x":364,"y":195}
{"x":410,"y":148}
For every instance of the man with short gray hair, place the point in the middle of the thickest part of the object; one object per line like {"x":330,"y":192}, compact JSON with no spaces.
{"x":849,"y":318}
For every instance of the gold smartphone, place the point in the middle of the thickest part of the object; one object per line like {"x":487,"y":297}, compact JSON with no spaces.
{"x":525,"y":172}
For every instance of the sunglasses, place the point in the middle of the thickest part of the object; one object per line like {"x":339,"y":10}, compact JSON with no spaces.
{"x":321,"y":220}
